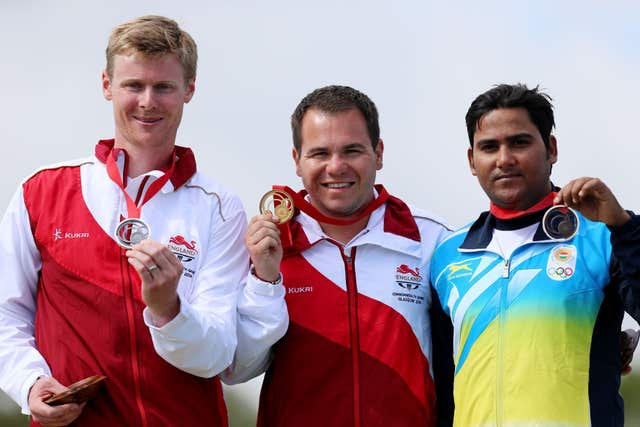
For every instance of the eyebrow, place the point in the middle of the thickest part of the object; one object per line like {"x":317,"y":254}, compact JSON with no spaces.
{"x":137,"y":80}
{"x":522,"y":135}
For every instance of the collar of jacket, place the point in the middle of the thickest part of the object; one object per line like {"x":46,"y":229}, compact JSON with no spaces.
{"x":184,"y":169}
{"x":398,"y":230}
{"x":481,"y":231}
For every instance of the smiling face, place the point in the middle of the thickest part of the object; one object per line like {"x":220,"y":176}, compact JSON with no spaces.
{"x":510,"y":160}
{"x":148,"y":95}
{"x":337,"y":162}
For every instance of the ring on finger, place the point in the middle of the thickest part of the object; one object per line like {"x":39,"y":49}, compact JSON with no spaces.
{"x":152,"y":267}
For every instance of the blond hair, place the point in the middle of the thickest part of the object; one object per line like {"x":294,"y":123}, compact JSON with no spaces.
{"x":153,"y":36}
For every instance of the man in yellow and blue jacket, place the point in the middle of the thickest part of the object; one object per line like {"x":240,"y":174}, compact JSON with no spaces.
{"x":536,"y":319}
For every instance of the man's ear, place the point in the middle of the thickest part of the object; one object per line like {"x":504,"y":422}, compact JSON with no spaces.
{"x":471,"y":164}
{"x":379,"y":151}
{"x":191,"y":88}
{"x":106,"y":86}
{"x":296,"y":159}
{"x":552,"y":150}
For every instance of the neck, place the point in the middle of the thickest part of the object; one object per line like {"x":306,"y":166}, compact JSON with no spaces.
{"x":344,"y":233}
{"x":141,"y":160}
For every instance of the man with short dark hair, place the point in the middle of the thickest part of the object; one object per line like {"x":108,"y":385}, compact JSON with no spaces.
{"x":364,"y":346}
{"x":536,"y":294}
{"x":130,"y":263}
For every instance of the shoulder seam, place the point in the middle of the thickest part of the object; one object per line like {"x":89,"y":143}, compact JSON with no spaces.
{"x":69,"y":164}
{"x":209,"y":193}
{"x":442,"y":224}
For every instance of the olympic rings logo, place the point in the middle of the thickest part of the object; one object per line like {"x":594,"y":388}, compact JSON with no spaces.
{"x":560,"y":272}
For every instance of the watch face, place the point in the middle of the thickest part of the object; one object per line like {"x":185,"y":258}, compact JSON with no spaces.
{"x":560,"y":223}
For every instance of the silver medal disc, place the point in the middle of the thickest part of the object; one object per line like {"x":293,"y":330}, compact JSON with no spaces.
{"x":132,"y":231}
{"x":560,"y":223}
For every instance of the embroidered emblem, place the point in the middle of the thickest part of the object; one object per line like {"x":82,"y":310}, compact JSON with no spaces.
{"x":411,"y":280}
{"x":459,"y":270}
{"x":562,"y":262}
{"x":407,"y":277}
{"x":59,"y":234}
{"x":185,"y":251}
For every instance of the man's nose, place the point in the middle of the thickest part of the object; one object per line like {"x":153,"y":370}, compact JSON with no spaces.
{"x":336,"y":164}
{"x":146,"y":99}
{"x":505,"y":156}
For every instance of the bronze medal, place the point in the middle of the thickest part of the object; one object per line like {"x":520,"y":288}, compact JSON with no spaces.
{"x":560,"y":223}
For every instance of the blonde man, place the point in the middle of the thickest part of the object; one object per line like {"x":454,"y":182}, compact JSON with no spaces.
{"x":129,"y":263}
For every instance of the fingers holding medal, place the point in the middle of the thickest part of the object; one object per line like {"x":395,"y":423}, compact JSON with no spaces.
{"x":263,"y":236}
{"x":160,"y":272}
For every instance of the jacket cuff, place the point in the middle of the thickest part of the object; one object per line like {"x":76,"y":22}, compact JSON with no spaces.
{"x":633,"y":224}
{"x":26,"y":388}
{"x":260,"y":287}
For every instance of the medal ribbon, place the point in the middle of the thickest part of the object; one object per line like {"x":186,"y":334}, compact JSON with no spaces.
{"x":302,"y":204}
{"x":503,"y":213}
{"x":133,"y":211}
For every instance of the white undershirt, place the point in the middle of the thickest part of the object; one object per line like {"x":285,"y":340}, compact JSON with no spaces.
{"x":506,"y":241}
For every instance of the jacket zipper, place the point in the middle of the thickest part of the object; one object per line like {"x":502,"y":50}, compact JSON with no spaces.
{"x":354,"y":331}
{"x":127,"y":292}
{"x":501,"y":341}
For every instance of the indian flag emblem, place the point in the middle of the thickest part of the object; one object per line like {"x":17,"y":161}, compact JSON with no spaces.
{"x":562,"y":262}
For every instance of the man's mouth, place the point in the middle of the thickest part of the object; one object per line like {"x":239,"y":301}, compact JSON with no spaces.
{"x":507,"y":176}
{"x":337,"y":185}
{"x":147,"y":120}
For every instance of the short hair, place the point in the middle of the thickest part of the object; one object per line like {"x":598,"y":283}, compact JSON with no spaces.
{"x":537,"y":104}
{"x":153,"y":36}
{"x":336,"y":99}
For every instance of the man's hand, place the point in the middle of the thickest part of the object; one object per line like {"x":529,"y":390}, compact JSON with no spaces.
{"x":46,"y":415}
{"x":160,"y":271}
{"x":628,"y":344}
{"x":594,"y":200}
{"x":263,"y":242}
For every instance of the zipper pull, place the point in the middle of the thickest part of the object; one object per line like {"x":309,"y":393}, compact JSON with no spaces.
{"x":505,"y":272}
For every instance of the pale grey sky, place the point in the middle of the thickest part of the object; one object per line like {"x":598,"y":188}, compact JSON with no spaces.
{"x":422,"y":62}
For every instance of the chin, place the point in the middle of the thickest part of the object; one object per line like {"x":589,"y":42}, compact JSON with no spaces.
{"x":507,"y":202}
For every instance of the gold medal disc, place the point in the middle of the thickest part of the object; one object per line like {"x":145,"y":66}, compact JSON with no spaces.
{"x":279,"y":203}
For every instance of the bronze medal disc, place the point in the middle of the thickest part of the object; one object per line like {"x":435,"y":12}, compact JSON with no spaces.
{"x":560,"y":223}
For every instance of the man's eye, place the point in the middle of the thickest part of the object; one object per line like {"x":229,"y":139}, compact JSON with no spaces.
{"x":521,"y":142}
{"x":133,"y":86}
{"x":488,"y":148}
{"x":164,"y":87}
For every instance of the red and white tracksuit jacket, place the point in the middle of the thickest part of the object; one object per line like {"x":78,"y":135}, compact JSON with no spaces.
{"x":70,"y":304}
{"x":358,"y":351}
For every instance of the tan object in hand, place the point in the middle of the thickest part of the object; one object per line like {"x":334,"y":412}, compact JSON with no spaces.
{"x":78,"y":392}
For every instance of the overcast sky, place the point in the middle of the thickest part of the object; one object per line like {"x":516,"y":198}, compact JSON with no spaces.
{"x":422,"y":62}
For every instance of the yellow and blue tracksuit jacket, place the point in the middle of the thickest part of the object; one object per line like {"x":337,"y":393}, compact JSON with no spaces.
{"x":536,"y":336}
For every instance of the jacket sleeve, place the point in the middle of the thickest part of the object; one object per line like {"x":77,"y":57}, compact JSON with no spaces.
{"x":201,"y":339}
{"x":262,"y":321}
{"x":20,"y":362}
{"x":625,"y":268}
{"x":442,"y":361}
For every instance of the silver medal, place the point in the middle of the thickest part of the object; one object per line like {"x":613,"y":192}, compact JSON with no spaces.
{"x":560,"y":222}
{"x":132,"y":231}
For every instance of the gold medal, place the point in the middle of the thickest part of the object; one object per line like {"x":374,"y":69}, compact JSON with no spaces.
{"x":278,"y":202}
